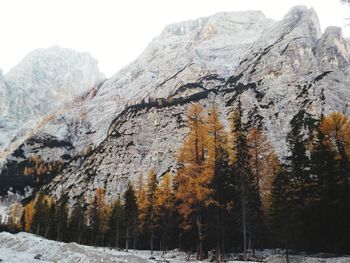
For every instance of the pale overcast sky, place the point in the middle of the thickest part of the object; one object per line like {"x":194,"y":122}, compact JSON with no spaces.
{"x":115,"y":32}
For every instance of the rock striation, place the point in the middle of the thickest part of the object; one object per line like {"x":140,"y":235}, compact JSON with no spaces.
{"x":136,"y":120}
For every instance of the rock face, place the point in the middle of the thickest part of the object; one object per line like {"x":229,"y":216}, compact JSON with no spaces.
{"x":40,"y":84}
{"x":137,"y":119}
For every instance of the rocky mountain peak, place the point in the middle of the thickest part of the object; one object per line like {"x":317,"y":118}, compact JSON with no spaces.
{"x":40,"y":84}
{"x":332,"y":50}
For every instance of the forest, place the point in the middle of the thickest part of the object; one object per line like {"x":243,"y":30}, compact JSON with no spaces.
{"x":231,"y":192}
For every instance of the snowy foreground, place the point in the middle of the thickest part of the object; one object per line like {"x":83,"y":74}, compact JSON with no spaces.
{"x":24,"y":247}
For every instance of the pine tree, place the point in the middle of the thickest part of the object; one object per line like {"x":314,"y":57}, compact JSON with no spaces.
{"x":62,"y":218}
{"x":281,"y":222}
{"x":116,"y":221}
{"x":98,"y":217}
{"x":130,"y":214}
{"x":193,"y":179}
{"x":52,"y":221}
{"x":76,"y":222}
{"x":298,"y":168}
{"x":250,"y":205}
{"x":218,"y":162}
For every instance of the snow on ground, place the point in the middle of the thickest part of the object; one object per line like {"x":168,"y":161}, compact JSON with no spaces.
{"x":29,"y":248}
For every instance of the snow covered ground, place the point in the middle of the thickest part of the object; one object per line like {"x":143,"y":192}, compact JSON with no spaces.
{"x":28,"y":248}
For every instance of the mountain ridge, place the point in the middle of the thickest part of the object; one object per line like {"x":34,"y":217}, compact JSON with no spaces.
{"x":282,"y":68}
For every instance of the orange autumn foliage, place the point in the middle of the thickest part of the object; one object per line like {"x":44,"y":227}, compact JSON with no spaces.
{"x":193,"y":178}
{"x":336,"y":129}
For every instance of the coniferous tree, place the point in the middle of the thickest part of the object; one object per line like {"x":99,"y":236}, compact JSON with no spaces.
{"x":130,"y":215}
{"x":38,"y":221}
{"x":336,"y":130}
{"x":298,"y":168}
{"x":98,"y":217}
{"x":193,"y":179}
{"x":150,"y":216}
{"x":281,"y":205}
{"x":62,"y":218}
{"x":76,"y":222}
{"x":52,"y":221}
{"x":218,"y":162}
{"x":116,"y":222}
{"x":23,"y":220}
{"x":142,"y":204}
{"x":250,"y":204}
{"x":164,"y":208}
{"x":45,"y":215}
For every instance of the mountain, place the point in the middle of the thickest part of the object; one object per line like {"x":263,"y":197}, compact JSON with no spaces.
{"x":42,"y":83}
{"x":136,"y":120}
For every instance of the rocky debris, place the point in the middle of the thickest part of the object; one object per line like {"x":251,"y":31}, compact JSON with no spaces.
{"x":25,"y":247}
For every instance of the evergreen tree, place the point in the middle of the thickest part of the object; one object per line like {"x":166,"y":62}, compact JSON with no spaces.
{"x":250,"y":205}
{"x":130,"y":215}
{"x":298,"y":168}
{"x":116,"y":222}
{"x":39,"y":215}
{"x":98,"y":217}
{"x":218,"y":162}
{"x":52,"y":221}
{"x":62,"y":218}
{"x":76,"y":222}
{"x":281,"y":222}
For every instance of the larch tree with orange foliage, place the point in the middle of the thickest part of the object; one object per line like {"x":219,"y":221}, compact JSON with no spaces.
{"x":164,"y":201}
{"x":262,"y":162}
{"x":336,"y":130}
{"x":142,"y":203}
{"x":193,"y":179}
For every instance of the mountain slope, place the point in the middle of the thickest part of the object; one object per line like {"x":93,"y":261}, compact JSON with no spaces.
{"x":41,"y":83}
{"x":136,"y":120}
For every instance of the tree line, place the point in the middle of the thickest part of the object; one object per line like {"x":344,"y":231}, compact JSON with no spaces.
{"x":230,"y":192}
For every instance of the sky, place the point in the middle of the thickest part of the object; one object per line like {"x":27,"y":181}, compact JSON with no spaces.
{"x":116,"y":32}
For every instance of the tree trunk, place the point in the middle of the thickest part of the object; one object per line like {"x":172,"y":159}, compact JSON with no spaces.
{"x":38,"y":229}
{"x":218,"y":253}
{"x":79,"y":237}
{"x":134,"y":237}
{"x":151,"y":242}
{"x":127,"y":240}
{"x":163,"y":241}
{"x":200,"y":237}
{"x":180,"y":237}
{"x":117,"y":237}
{"x":244,"y":222}
{"x":287,"y":249}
